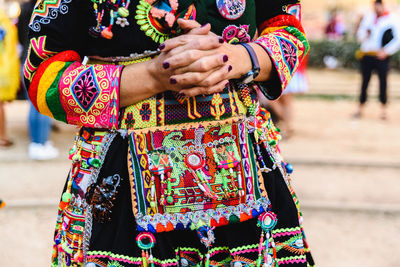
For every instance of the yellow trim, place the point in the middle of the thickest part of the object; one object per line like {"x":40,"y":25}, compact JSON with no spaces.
{"x":271,"y":29}
{"x":47,"y":79}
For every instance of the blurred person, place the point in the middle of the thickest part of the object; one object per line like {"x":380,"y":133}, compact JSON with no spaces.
{"x":336,"y":29}
{"x":283,"y":107}
{"x":9,"y":71}
{"x":2,"y":203}
{"x":39,"y":125}
{"x":379,"y":35}
{"x":174,"y":151}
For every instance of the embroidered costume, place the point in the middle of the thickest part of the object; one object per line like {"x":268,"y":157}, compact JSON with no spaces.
{"x":170,"y":180}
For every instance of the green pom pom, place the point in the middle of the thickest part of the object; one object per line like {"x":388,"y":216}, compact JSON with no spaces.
{"x":272,"y":143}
{"x":66,"y":197}
{"x":170,"y":199}
{"x":123,"y":12}
{"x":84,"y":165}
{"x":72,"y":150}
{"x":233,"y":219}
{"x":76,"y":157}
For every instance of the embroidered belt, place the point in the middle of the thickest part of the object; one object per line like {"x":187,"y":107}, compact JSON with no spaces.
{"x":169,"y":109}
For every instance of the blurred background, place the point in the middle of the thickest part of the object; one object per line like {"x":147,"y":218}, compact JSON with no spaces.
{"x":346,"y":167}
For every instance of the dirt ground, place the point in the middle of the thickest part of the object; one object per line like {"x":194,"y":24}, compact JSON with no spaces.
{"x":347,"y":175}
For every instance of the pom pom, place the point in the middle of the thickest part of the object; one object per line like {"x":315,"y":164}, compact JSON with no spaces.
{"x":107,"y":33}
{"x":66,"y":197}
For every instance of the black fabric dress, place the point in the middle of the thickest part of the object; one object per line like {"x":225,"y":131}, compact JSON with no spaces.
{"x":168,"y":181}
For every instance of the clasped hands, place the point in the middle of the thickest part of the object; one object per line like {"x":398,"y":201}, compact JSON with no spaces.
{"x":198,"y":62}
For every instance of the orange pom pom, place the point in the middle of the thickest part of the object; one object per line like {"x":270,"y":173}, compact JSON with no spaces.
{"x":160,"y":228}
{"x":63,"y":205}
{"x":170,"y":227}
{"x":107,"y":33}
{"x":223,"y":221}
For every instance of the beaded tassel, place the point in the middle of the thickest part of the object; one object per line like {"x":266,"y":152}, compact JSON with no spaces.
{"x":118,"y":10}
{"x":153,"y":202}
{"x":260,"y":249}
{"x":146,"y":242}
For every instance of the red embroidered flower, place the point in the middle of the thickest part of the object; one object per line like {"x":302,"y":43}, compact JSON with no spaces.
{"x":85,"y":90}
{"x":289,"y":53}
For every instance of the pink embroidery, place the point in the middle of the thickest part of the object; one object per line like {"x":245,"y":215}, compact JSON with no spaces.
{"x":244,"y":251}
{"x":37,"y":46}
{"x":113,"y":259}
{"x":232,"y":34}
{"x":157,"y":13}
{"x":275,"y":235}
{"x":29,"y":69}
{"x":90,"y":95}
{"x":285,"y":51}
{"x":304,"y":260}
{"x":295,"y":10}
{"x":173,"y":4}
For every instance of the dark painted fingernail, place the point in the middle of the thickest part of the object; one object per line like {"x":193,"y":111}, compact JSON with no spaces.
{"x":172,"y":81}
{"x":220,"y":40}
{"x":225,"y":58}
{"x":165,"y":65}
{"x":227,"y":84}
{"x":202,"y":26}
{"x":229,"y":68}
{"x":161,"y":47}
{"x":180,"y":95}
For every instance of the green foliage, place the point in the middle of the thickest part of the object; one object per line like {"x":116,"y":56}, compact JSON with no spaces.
{"x":343,"y":51}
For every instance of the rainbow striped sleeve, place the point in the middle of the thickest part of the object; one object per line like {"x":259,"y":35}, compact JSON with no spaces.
{"x":283,"y":38}
{"x":64,"y":89}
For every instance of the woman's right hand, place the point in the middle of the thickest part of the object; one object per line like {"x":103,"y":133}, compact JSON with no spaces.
{"x":192,"y":61}
{"x":205,"y":73}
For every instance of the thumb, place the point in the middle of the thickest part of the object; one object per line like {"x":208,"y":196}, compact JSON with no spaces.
{"x":193,"y":27}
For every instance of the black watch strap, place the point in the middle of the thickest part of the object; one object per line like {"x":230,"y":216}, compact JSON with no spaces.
{"x":252,"y":74}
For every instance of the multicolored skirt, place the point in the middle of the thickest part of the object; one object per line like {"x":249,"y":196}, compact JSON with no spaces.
{"x":208,"y":188}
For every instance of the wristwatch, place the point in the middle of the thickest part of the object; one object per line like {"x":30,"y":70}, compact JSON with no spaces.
{"x":253,"y":73}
